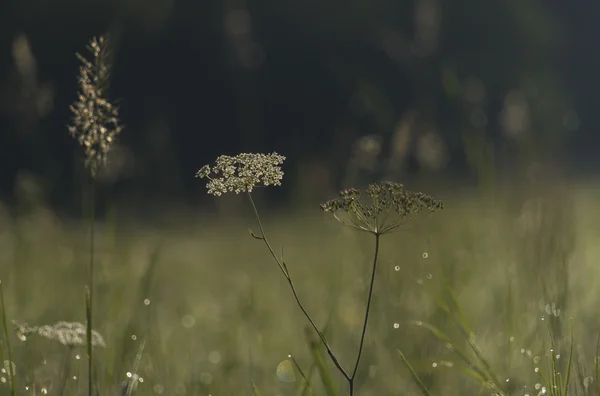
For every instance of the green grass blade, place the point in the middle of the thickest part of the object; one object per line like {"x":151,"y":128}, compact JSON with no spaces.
{"x":414,"y":374}
{"x":597,"y":365}
{"x":569,"y":363}
{"x":458,"y":312}
{"x":88,"y":338}
{"x":305,"y":380}
{"x":440,"y":335}
{"x":11,"y":373}
{"x":473,"y":374}
{"x":316,"y":350}
{"x":482,"y":372}
{"x":255,"y":391}
{"x":324,"y":372}
{"x":307,"y":385}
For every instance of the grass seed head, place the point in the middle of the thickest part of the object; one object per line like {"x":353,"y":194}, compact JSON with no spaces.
{"x":95,"y":122}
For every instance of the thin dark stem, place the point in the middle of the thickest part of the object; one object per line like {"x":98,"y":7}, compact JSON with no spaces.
{"x":66,"y":370}
{"x":286,"y":273}
{"x":367,"y":311}
{"x":91,"y":289}
{"x":11,"y":367}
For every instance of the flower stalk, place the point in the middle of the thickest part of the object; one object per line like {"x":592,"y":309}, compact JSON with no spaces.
{"x":391,"y":207}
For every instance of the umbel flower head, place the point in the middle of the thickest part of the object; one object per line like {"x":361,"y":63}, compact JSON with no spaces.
{"x":95,"y":122}
{"x":242,"y":173}
{"x":70,"y":334}
{"x":391,"y":207}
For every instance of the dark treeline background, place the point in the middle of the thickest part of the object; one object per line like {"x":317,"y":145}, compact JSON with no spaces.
{"x":349,"y":91}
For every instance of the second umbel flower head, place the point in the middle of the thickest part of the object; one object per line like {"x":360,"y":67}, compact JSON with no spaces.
{"x":390,"y":207}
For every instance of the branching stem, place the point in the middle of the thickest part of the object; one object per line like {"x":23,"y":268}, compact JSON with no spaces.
{"x":284,"y":269}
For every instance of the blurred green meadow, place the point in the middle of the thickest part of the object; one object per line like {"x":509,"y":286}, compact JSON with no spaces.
{"x":215,"y":315}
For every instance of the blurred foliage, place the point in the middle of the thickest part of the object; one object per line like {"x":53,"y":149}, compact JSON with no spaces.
{"x":461,"y":87}
{"x":214,"y":314}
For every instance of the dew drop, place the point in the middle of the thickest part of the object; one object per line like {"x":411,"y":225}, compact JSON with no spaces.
{"x":429,"y":276}
{"x":425,"y":255}
{"x":133,"y":337}
{"x":396,"y":325}
{"x":77,"y":357}
{"x":44,"y":391}
{"x":285,"y":372}
{"x":397,"y":268}
{"x":434,"y":364}
{"x":147,"y":301}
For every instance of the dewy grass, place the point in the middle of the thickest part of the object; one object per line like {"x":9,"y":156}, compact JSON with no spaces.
{"x":11,"y":366}
{"x":95,"y":125}
{"x":390,"y":207}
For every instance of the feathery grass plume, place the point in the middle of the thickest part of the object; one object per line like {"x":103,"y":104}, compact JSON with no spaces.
{"x":70,"y":334}
{"x":392,"y":206}
{"x":242,"y":173}
{"x":95,"y":122}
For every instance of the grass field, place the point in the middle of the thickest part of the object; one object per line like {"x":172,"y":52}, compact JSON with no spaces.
{"x":214,"y":313}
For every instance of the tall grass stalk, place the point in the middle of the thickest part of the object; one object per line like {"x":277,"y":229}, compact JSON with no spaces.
{"x":11,"y":370}
{"x":90,"y":291}
{"x":95,"y":125}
